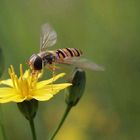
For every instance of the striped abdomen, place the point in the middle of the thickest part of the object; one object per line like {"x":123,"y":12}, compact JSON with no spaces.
{"x":68,"y":52}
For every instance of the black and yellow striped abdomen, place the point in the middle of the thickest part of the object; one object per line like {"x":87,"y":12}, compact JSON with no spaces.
{"x":68,"y":52}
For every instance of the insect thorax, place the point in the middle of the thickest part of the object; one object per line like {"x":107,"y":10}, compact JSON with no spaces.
{"x":47,"y":57}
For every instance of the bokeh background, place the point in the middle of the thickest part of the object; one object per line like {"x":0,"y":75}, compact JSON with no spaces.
{"x":108,"y":32}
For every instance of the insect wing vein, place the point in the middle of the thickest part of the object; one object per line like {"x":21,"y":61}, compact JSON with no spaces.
{"x":48,"y":37}
{"x":81,"y":63}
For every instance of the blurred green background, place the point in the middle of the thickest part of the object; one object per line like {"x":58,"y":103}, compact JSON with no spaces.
{"x":108,"y":33}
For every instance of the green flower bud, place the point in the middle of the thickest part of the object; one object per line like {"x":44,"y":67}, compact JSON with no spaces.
{"x":28,"y":108}
{"x":76,"y":91}
{"x":1,"y":62}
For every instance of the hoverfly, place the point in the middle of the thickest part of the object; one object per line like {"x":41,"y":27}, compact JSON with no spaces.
{"x":46,"y":58}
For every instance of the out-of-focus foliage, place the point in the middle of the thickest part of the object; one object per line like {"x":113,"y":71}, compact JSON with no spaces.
{"x":108,"y":33}
{"x":2,"y":62}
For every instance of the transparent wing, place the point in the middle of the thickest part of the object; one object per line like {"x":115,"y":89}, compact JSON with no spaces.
{"x":48,"y":37}
{"x":81,"y":63}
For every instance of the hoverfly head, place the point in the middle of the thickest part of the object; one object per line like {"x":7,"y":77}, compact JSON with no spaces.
{"x":35,"y":62}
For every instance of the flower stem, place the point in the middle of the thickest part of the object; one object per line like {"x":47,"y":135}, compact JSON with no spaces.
{"x":3,"y":132}
{"x":61,"y":122}
{"x":33,"y":129}
{"x":2,"y":125}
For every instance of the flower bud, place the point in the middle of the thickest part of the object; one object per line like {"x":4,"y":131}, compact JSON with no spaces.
{"x":28,"y":108}
{"x":76,"y":91}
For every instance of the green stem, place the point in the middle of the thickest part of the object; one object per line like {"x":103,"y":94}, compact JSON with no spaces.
{"x":2,"y":125}
{"x":33,"y":129}
{"x":3,"y":132}
{"x":61,"y":122}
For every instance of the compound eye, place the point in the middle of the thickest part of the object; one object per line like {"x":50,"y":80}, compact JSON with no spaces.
{"x":38,"y":63}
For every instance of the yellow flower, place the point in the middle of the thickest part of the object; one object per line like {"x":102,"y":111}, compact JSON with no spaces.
{"x":27,"y":87}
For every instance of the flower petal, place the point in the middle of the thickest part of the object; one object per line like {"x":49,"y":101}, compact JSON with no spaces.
{"x":43,"y":97}
{"x":12,"y":98}
{"x":48,"y":92}
{"x":9,"y":95}
{"x":57,"y":87}
{"x":26,"y":74}
{"x":18,"y":99}
{"x":46,"y":82}
{"x":40,"y":74}
{"x":7,"y":92}
{"x":7,"y":82}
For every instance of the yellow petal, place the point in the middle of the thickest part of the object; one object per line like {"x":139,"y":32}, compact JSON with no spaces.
{"x":43,"y":97}
{"x":26,"y":74}
{"x":7,"y":82}
{"x":48,"y":92}
{"x":18,"y":99}
{"x":57,"y":87}
{"x":46,"y":82}
{"x":10,"y":95}
{"x":7,"y":92}
{"x":14,"y":98}
{"x":40,"y":74}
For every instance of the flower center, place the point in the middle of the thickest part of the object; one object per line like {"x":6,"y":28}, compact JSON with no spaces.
{"x":24,"y":85}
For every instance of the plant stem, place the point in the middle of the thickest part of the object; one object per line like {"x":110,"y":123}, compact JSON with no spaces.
{"x":61,"y":122}
{"x":2,"y":125}
{"x":33,"y":129}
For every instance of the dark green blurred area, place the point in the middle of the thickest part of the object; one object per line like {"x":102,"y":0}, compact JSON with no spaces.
{"x":108,"y":33}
